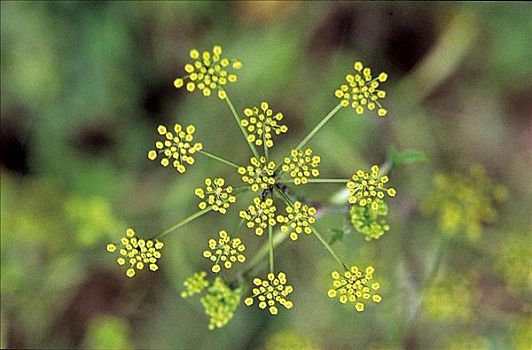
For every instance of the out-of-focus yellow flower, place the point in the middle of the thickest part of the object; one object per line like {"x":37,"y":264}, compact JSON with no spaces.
{"x":259,"y":174}
{"x":449,"y":298}
{"x":136,"y":253}
{"x":208,"y":72}
{"x":260,"y":215}
{"x":224,"y":251}
{"x":262,"y":124}
{"x":271,"y":291}
{"x":365,"y":188}
{"x":361,"y":90}
{"x":301,"y":165}
{"x":215,"y":195}
{"x":514,"y":261}
{"x":290,"y":339}
{"x":298,"y":219}
{"x":195,"y":284}
{"x":354,"y":286}
{"x":370,"y":222}
{"x":220,"y":303}
{"x":463,"y":202}
{"x":176,"y":147}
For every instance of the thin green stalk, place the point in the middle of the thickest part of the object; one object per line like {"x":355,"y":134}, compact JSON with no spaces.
{"x":185,"y":221}
{"x":220,"y":159}
{"x":319,"y":126}
{"x":327,"y":246}
{"x":270,"y":243}
{"x":237,"y":119}
{"x":326,"y":181}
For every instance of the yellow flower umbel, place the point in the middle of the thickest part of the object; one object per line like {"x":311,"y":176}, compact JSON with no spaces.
{"x":260,"y":215}
{"x":368,"y":221}
{"x":259,"y":174}
{"x":270,"y":292}
{"x":463,"y":202}
{"x":262,"y":124}
{"x":176,"y":148}
{"x":220,"y":303}
{"x":365,"y":188}
{"x":195,"y":284}
{"x":208,"y":72}
{"x":137,"y":253}
{"x":301,"y":165}
{"x":354,"y":286}
{"x":215,"y":195}
{"x":225,"y":251}
{"x":361,"y":90}
{"x":298,"y":220}
{"x":449,"y":298}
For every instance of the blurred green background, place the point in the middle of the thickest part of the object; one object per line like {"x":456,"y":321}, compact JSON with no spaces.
{"x":84,"y":85}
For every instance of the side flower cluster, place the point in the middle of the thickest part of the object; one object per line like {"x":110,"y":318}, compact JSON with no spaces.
{"x":225,"y":251}
{"x":271,"y":291}
{"x":301,"y":165}
{"x":354,"y":286}
{"x":176,"y":148}
{"x":262,"y":124}
{"x":366,"y":188}
{"x":208,"y":72}
{"x":215,"y":195}
{"x":136,"y":253}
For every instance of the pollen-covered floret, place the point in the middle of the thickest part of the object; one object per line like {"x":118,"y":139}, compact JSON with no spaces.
{"x":176,"y":148}
{"x":298,"y":219}
{"x":361,"y":90}
{"x":136,"y":253}
{"x":225,"y":251}
{"x":262,"y":124}
{"x":220,"y":303}
{"x":369,"y":222}
{"x":195,"y":284}
{"x":365,"y":188}
{"x":208,"y":72}
{"x":259,"y":174}
{"x":271,"y":291}
{"x":301,"y":165}
{"x":260,"y":215}
{"x":215,"y":195}
{"x":354,"y":286}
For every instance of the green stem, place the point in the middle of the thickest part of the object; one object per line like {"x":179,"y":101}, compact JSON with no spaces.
{"x":220,"y":159}
{"x":270,"y":243}
{"x":319,"y":126}
{"x":185,"y":221}
{"x":321,"y":181}
{"x":237,"y":119}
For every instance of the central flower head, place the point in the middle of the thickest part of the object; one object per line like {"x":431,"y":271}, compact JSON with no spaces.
{"x":259,"y":174}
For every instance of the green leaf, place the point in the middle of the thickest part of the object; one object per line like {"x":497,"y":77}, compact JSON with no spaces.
{"x":405,"y":157}
{"x":337,"y":235}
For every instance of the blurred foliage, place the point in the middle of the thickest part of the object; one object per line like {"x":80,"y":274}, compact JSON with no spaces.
{"x":84,"y":85}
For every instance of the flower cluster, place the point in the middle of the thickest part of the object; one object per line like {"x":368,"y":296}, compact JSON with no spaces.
{"x":362,"y":91}
{"x":464,"y":201}
{"x":259,"y":174}
{"x":215,"y":195}
{"x":449,"y":298}
{"x":270,"y":291}
{"x":176,"y":148}
{"x":298,"y":219}
{"x":365,"y":188}
{"x":220,"y":303}
{"x":225,"y":251}
{"x":368,"y":221}
{"x":195,"y":284}
{"x":260,"y":215}
{"x":137,"y":252}
{"x":353,"y":286}
{"x":262,"y":124}
{"x":208,"y":72}
{"x":301,"y":165}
